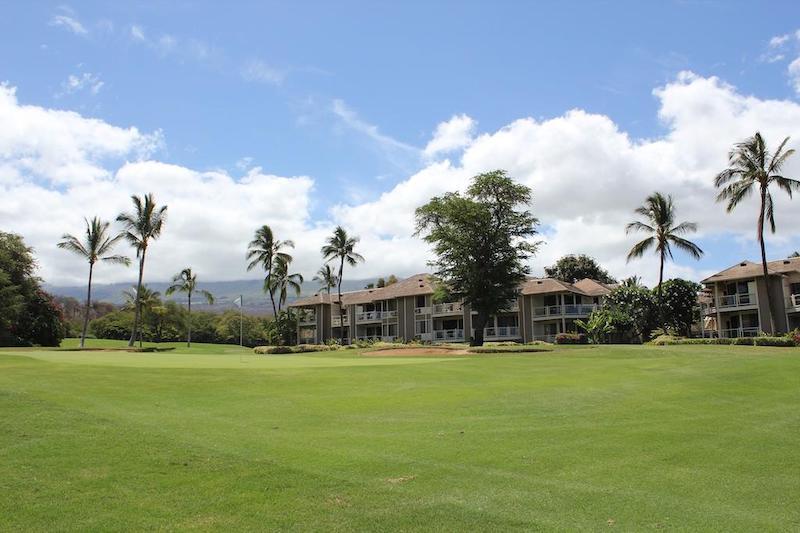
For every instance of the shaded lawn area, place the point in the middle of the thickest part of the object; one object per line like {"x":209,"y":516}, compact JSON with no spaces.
{"x":627,"y":437}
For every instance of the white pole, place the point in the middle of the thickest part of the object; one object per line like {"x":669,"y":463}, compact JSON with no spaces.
{"x":241,"y":315}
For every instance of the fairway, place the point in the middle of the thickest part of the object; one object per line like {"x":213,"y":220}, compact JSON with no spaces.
{"x":630,"y":438}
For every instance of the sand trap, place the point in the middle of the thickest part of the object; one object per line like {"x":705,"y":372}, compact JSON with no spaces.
{"x":410,"y":352}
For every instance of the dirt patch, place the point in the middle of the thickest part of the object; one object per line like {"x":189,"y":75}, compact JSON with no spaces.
{"x":411,"y":352}
{"x":401,"y":479}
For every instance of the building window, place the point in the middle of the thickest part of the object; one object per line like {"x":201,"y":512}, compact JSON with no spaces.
{"x":421,"y":327}
{"x":421,"y":301}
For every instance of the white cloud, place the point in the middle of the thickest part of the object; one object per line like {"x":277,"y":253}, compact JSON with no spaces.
{"x":137,"y":32}
{"x":79,"y":82}
{"x":779,"y":40}
{"x":794,"y":74}
{"x":69,"y":23}
{"x":258,"y":71}
{"x":451,"y":135}
{"x":351,"y":119}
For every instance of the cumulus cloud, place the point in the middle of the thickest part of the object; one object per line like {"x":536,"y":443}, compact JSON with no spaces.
{"x":587,"y":175}
{"x":451,"y":135}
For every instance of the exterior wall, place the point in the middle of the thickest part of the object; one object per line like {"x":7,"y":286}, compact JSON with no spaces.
{"x":776,"y":291}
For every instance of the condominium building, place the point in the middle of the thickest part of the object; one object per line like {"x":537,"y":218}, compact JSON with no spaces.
{"x":735,"y":303}
{"x":406,"y":310}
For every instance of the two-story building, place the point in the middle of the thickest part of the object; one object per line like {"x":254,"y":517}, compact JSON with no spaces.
{"x":406,"y":310}
{"x":735,"y":300}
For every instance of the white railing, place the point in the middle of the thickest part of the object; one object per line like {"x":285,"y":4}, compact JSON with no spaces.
{"x":501,"y":332}
{"x":738,"y":332}
{"x":424,"y":336}
{"x":422,"y":310}
{"x":448,"y":335}
{"x":736,"y":300}
{"x":794,"y":300}
{"x":389,"y":314}
{"x":369,"y":338}
{"x":564,"y":310}
{"x":371,"y":316}
{"x":307,"y":319}
{"x":546,"y":338}
{"x":337,"y":321}
{"x":389,"y":338}
{"x":452,"y":308}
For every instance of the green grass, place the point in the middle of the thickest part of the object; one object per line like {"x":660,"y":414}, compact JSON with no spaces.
{"x":632,"y":438}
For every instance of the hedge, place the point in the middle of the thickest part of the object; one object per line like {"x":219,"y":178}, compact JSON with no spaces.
{"x":301,"y":348}
{"x":506,"y":348}
{"x":571,"y":338}
{"x":784,"y":342}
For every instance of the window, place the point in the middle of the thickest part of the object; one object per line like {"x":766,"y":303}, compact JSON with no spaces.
{"x":421,"y":301}
{"x":795,"y":288}
{"x":420,"y":327}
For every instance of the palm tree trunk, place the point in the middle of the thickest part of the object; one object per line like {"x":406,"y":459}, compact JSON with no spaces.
{"x":764,"y":258}
{"x":661,"y":316}
{"x":88,"y":306}
{"x":341,"y":305}
{"x":137,"y":306}
{"x":189,"y":325}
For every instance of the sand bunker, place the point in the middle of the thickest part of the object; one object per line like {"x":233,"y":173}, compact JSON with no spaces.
{"x":411,"y":352}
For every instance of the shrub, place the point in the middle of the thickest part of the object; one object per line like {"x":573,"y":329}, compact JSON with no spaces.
{"x":667,"y":340}
{"x":795,"y":335}
{"x":508,"y":348}
{"x":571,"y":338}
{"x":272,"y":349}
{"x":785,"y":342}
{"x":305,"y":348}
{"x":743,"y":341}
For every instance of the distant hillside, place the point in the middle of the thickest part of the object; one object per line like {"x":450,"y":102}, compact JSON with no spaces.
{"x":225,"y":292}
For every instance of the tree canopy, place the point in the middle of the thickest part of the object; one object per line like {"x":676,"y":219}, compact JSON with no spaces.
{"x":572,"y":268}
{"x":481,"y":240}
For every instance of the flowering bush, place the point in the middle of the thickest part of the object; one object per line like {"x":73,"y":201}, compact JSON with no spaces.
{"x":571,"y":338}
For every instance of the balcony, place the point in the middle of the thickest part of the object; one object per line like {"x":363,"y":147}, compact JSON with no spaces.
{"x":452,"y":308}
{"x":546,"y":338}
{"x":422,"y":310}
{"x":375,"y":316}
{"x":336,"y":321}
{"x":557,"y":311}
{"x":448,"y":335}
{"x":793,"y":301}
{"x":307,"y":319}
{"x":502,"y":332}
{"x":738,"y":332}
{"x":736,"y":300}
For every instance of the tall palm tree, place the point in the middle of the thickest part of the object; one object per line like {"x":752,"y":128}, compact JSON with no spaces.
{"x":141,"y":226}
{"x":751,"y":166}
{"x":95,"y":246}
{"x":283,"y":282}
{"x":186,"y":281}
{"x":326,"y":278}
{"x":144,"y":299}
{"x":263,"y":251}
{"x":659,"y":212}
{"x":342,"y":247}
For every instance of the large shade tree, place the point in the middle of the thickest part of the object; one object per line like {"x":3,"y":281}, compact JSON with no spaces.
{"x":95,"y":245}
{"x":572,"y":268}
{"x":341,"y":247}
{"x":185,"y":281}
{"x":753,"y":168}
{"x":481,"y":240}
{"x":659,"y":215}
{"x":140,"y":226}
{"x":263,"y":251}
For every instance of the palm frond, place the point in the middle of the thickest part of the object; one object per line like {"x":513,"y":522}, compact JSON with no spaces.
{"x":641,"y":247}
{"x":686,"y":246}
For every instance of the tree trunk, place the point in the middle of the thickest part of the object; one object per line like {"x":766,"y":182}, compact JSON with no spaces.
{"x":137,"y":305}
{"x":189,"y":325}
{"x":661,"y":317}
{"x":341,"y":305}
{"x":478,"y":325}
{"x":88,"y":306}
{"x":764,"y":258}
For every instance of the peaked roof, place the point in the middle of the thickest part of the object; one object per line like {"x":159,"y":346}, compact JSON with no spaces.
{"x":749,"y":269}
{"x":410,"y":286}
{"x":586,"y":287}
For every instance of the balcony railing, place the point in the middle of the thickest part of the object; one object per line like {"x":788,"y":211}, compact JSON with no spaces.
{"x":448,"y":335}
{"x":546,"y":338}
{"x":500,"y":332}
{"x":794,"y":300}
{"x":452,"y":308}
{"x":736,"y":300}
{"x":336,"y":321}
{"x":739,"y":332}
{"x":564,"y":310}
{"x":422,"y":310}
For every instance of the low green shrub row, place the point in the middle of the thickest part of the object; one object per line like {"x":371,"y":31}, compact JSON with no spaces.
{"x":783,"y":342}
{"x":301,"y":348}
{"x":666,"y":340}
{"x":571,"y":338}
{"x":509,"y":348}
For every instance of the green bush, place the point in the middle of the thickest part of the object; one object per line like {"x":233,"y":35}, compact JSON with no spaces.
{"x":305,"y":348}
{"x":667,"y":340}
{"x":272,"y":349}
{"x":506,"y":348}
{"x":784,"y":342}
{"x":571,"y":338}
{"x":743,"y":341}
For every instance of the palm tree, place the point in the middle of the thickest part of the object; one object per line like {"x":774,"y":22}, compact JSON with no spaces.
{"x":341,"y":246}
{"x":632,"y":281}
{"x":326,"y":278}
{"x":752,"y":166}
{"x":142,"y":298}
{"x":263,"y":251}
{"x":95,"y":246}
{"x":283,"y":281}
{"x":794,"y":254}
{"x":186,"y":281}
{"x":140,"y":226}
{"x":659,"y":211}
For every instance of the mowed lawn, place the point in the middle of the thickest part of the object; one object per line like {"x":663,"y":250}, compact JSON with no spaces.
{"x":621,"y":437}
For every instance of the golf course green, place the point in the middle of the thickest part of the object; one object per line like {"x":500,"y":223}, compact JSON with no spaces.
{"x":214,"y":437}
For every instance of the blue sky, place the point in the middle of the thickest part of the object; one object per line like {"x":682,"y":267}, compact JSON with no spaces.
{"x":349,"y":94}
